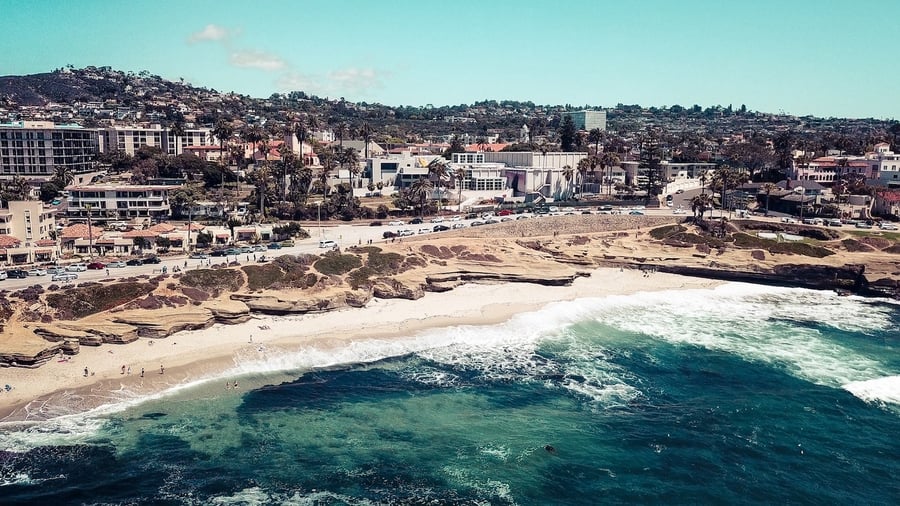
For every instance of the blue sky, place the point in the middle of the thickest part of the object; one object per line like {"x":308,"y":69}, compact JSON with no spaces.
{"x":820,"y":57}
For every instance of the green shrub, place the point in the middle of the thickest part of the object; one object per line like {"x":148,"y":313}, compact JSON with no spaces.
{"x":213,"y":280}
{"x":337,"y":264}
{"x":360,"y":277}
{"x":385,"y":263}
{"x":790,"y":248}
{"x":666,"y":231}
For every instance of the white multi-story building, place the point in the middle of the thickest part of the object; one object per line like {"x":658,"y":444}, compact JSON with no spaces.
{"x":33,"y":149}
{"x":888,"y":165}
{"x":130,"y":138}
{"x":113,"y":203}
{"x":399,"y":171}
{"x":479,"y":175}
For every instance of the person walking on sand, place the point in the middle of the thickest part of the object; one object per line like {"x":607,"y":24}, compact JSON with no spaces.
{"x":161,"y":369}
{"x":142,"y":372}
{"x":123,"y":370}
{"x":85,"y":372}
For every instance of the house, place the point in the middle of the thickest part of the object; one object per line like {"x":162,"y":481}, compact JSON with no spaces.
{"x":887,"y":203}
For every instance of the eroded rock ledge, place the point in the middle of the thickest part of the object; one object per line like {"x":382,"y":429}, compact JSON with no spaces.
{"x":449,"y":280}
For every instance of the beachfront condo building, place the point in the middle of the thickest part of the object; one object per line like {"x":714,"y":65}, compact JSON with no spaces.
{"x":104,"y":203}
{"x":34,"y":149}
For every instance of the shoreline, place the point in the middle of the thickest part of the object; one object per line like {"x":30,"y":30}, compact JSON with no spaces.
{"x":59,"y":387}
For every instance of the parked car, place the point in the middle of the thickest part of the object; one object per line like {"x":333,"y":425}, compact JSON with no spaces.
{"x":887,"y":226}
{"x":415,"y":221}
{"x":198,"y":256}
{"x":233,"y":251}
{"x":405,"y":232}
{"x":152,"y":260}
{"x":327,"y":243}
{"x":505,"y":218}
{"x":246,"y":249}
{"x":476,"y":223}
{"x":273,"y":245}
{"x":76,"y":268}
{"x":287,"y":244}
{"x":134,"y":261}
{"x":375,"y":224}
{"x":424,"y":230}
{"x":834,"y":223}
{"x":54,"y":270}
{"x":17,"y":273}
{"x":37,"y":272}
{"x":504,"y":212}
{"x":456,"y":218}
{"x":218,"y":253}
{"x":636,"y":212}
{"x":64,"y":276}
{"x":679,"y":191}
{"x":440,"y":228}
{"x":3,"y":275}
{"x":396,"y":223}
{"x":437,"y":219}
{"x":96,"y":265}
{"x":459,"y":225}
{"x":118,"y":264}
{"x":863,"y":224}
{"x":259,"y":247}
{"x":388,"y":235}
{"x":471,"y":216}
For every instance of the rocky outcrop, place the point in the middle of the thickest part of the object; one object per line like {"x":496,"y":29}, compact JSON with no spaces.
{"x":228,"y":311}
{"x":446,"y":281}
{"x":389,"y":288}
{"x":162,"y":323}
{"x":820,"y":277}
{"x":274,"y":304}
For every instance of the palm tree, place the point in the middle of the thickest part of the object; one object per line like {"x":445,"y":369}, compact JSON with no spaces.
{"x":341,"y":129}
{"x":419,"y":190}
{"x":365,"y":131}
{"x":768,"y":188}
{"x":568,"y":173}
{"x":703,"y":179}
{"x":583,"y":166}
{"x":595,"y":136}
{"x":607,"y":162}
{"x":437,"y":171}
{"x":329,"y":163}
{"x":460,"y":177}
{"x":223,"y":131}
{"x":63,"y":176}
{"x":177,"y":130}
{"x":348,"y":157}
{"x":699,"y":205}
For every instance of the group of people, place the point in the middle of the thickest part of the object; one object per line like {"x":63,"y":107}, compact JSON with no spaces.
{"x":229,"y":386}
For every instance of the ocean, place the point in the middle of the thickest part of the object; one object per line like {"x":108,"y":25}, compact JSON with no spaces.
{"x":741,"y":394}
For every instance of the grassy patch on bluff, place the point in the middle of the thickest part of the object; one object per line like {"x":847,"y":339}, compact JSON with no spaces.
{"x":213,"y":281}
{"x":788,"y":248}
{"x":76,"y":303}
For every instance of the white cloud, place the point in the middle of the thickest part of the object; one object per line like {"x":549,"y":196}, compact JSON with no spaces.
{"x":354,"y":81}
{"x":295,"y":81}
{"x":256,"y":60}
{"x":210,"y":32}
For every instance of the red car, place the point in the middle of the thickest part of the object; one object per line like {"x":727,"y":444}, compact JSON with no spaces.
{"x":96,"y":265}
{"x":504,"y":212}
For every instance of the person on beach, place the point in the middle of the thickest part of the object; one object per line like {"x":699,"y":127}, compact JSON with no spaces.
{"x":161,"y":370}
{"x":123,"y":370}
{"x":85,"y":372}
{"x":142,"y":372}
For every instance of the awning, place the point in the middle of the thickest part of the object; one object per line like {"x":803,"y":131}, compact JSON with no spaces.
{"x":222,"y":236}
{"x":43,"y":251}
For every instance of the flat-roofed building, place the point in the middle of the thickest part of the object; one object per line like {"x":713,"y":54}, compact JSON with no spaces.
{"x":114,"y":203}
{"x":34,"y":149}
{"x":588,"y":120}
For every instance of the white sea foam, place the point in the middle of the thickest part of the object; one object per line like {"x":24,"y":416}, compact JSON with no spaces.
{"x":758,"y":324}
{"x":884,"y":390}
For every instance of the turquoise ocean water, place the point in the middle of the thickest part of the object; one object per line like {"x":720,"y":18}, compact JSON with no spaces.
{"x":740,"y":394}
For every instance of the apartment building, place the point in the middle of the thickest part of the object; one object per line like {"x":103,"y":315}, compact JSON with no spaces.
{"x":33,"y":149}
{"x":129,"y":138}
{"x":116,"y":203}
{"x":29,"y":229}
{"x":588,"y":120}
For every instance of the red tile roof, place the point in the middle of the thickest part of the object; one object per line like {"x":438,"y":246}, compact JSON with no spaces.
{"x":162,"y":228}
{"x":497,"y":146}
{"x":80,"y":231}
{"x":8,"y":241}
{"x":139,"y":233}
{"x":45,"y":242}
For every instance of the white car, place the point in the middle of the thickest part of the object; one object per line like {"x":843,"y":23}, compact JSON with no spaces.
{"x":424,"y":230}
{"x":64,"y":276}
{"x":76,"y":268}
{"x":679,"y":211}
{"x":118,"y":264}
{"x":887,"y":226}
{"x":459,"y":225}
{"x":327,"y":243}
{"x":396,"y":223}
{"x":37,"y":272}
{"x":437,"y":219}
{"x":456,"y":218}
{"x":405,"y":233}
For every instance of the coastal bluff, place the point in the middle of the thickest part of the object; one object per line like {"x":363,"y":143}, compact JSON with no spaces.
{"x":39,"y":325}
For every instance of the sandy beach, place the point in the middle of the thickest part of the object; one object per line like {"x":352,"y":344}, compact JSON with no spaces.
{"x":219,"y":353}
